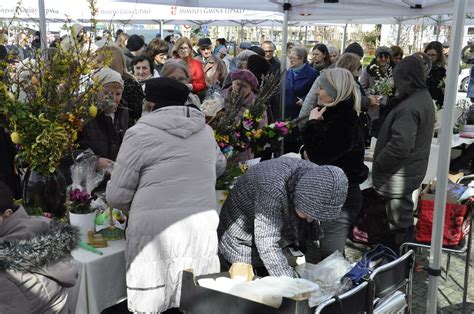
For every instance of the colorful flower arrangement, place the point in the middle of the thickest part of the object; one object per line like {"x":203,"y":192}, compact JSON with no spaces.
{"x":237,"y":132}
{"x":247,"y":134}
{"x":48,"y":101}
{"x":79,"y":202}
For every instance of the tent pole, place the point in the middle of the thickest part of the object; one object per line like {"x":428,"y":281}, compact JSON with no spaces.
{"x":271,"y":33}
{"x":42,"y":25}
{"x":444,"y":154}
{"x":161,"y":30}
{"x":284,"y":52}
{"x":344,"y":38}
{"x":421,"y":35}
{"x":399,"y":31}
{"x":306,"y":35}
{"x":438,"y":27}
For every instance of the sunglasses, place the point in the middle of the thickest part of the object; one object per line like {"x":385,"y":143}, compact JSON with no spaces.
{"x":384,"y":56}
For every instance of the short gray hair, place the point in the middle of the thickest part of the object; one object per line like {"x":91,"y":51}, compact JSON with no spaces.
{"x":332,"y":49}
{"x":349,"y":61}
{"x":301,"y":52}
{"x":172,"y":64}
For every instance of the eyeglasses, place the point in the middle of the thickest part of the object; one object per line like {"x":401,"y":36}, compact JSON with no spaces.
{"x":205,"y":48}
{"x":183,"y":48}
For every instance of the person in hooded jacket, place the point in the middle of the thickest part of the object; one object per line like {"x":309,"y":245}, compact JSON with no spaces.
{"x":271,"y":205}
{"x":334,"y":136}
{"x":165,"y":176}
{"x":403,"y":148}
{"x":36,"y":266}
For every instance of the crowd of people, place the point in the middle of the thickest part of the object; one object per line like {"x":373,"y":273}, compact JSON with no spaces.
{"x":165,"y":159}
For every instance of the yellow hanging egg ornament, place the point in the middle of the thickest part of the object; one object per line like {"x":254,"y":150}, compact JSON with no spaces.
{"x":93,"y":111}
{"x":15,"y":137}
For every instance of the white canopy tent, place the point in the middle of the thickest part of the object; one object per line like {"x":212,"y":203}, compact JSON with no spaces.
{"x":352,"y":10}
{"x":301,"y":10}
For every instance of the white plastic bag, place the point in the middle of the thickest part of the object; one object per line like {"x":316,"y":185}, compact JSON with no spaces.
{"x":327,"y":274}
{"x":271,"y":290}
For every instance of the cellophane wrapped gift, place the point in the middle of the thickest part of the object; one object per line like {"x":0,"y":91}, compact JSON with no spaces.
{"x":110,"y":222}
{"x":83,"y":172}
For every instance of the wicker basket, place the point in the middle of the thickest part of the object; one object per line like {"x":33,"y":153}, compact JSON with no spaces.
{"x":112,"y":233}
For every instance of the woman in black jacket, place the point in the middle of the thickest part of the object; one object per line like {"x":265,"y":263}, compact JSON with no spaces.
{"x":435,"y":78}
{"x":333,"y":136}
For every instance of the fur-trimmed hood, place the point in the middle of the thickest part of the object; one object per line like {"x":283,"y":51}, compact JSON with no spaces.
{"x":44,"y":249}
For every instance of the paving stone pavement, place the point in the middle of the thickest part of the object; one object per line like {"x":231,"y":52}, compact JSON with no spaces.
{"x":449,"y":289}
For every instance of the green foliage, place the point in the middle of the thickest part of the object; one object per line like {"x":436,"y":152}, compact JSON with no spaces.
{"x":47,"y":102}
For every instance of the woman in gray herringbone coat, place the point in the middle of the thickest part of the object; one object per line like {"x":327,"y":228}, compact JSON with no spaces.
{"x":270,"y":203}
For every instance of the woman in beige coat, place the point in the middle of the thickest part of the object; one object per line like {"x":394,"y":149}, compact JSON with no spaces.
{"x":165,"y":175}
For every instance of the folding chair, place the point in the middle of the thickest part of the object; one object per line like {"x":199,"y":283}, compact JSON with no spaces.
{"x":466,"y":249}
{"x":391,"y":277}
{"x":355,"y":301}
{"x":461,"y":250}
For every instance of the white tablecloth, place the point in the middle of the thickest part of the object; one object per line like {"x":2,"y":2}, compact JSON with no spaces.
{"x":101,"y":282}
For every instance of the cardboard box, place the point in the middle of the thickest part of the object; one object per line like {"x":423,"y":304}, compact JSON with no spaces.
{"x":199,"y":300}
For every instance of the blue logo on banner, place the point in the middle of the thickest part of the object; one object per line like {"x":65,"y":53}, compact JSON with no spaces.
{"x":205,"y":29}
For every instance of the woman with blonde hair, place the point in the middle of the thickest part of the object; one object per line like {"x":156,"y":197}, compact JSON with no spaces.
{"x":334,"y":136}
{"x":182,"y":49}
{"x":122,"y":40}
{"x":132,"y":96}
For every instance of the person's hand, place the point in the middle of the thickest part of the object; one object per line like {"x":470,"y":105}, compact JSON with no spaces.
{"x":374,"y":101}
{"x":190,"y":86}
{"x":299,"y":102}
{"x":103,"y":163}
{"x":317,"y":113}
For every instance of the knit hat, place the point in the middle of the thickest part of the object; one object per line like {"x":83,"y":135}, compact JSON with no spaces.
{"x":165,"y":91}
{"x":324,"y":83}
{"x":245,"y":75}
{"x":355,"y":48}
{"x":6,"y":198}
{"x":204,"y":42}
{"x":135,"y":43}
{"x":258,"y":65}
{"x":245,"y":45}
{"x":258,"y":50}
{"x":107,"y":75}
{"x":383,"y":49}
{"x":320,"y":192}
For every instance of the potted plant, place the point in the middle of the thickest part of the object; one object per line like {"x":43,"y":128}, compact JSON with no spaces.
{"x":80,"y":211}
{"x":44,"y":104}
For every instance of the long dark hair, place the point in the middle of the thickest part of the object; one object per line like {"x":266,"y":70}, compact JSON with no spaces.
{"x":438,"y":47}
{"x":324,"y":49}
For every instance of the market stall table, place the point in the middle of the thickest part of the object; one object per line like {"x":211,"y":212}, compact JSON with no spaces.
{"x":101,"y":281}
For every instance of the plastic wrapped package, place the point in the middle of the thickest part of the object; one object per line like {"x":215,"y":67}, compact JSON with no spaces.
{"x":212,"y":104}
{"x":327,"y":274}
{"x":83,"y":172}
{"x":270,"y":290}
